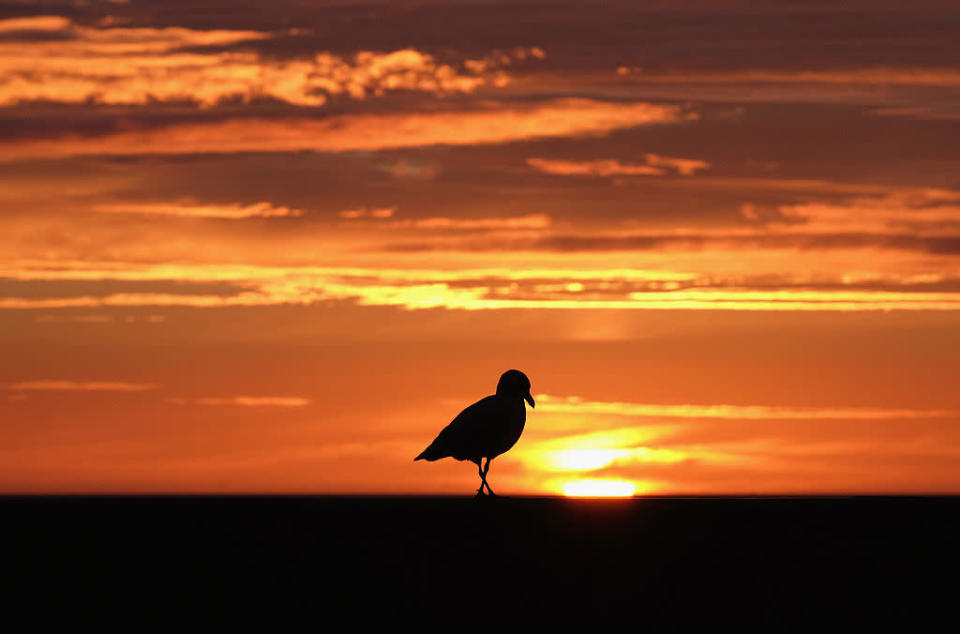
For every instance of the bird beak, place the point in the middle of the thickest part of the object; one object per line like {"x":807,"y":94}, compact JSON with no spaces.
{"x":529,"y":399}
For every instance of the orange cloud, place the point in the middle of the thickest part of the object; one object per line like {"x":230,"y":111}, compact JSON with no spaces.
{"x":235,"y":211}
{"x":611,"y":167}
{"x":531,"y":221}
{"x":603,"y":167}
{"x":471,"y":290}
{"x":98,"y":319}
{"x":685,"y":167}
{"x":919,"y":76}
{"x":680,"y":455}
{"x":928,"y":113}
{"x":139,"y":65}
{"x":35,"y":23}
{"x":574,"y":405}
{"x":919,"y":211}
{"x":800,"y":185}
{"x":381,"y":212}
{"x":76,"y":319}
{"x":777,"y":263}
{"x":246,"y":401}
{"x":82,"y":386}
{"x":502,"y":124}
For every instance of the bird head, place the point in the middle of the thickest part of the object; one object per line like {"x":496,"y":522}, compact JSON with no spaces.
{"x":516,"y":384}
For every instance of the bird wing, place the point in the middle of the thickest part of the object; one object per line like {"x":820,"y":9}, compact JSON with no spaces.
{"x":468,"y":435}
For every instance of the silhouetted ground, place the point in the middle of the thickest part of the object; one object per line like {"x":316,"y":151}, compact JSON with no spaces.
{"x":415,"y":564}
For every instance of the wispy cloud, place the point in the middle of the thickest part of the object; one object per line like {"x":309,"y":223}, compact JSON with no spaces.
{"x":36,"y":23}
{"x":683,"y":166}
{"x":81,"y":386}
{"x":140,"y":65}
{"x":493,"y":124}
{"x":920,"y":76}
{"x":99,"y":319}
{"x":676,"y":448}
{"x":75,"y":319}
{"x":245,"y":401}
{"x":498,"y":289}
{"x":235,"y":211}
{"x":530,"y":221}
{"x":655,"y":165}
{"x":935,"y":112}
{"x":916,"y":211}
{"x":363,"y":212}
{"x":574,"y":405}
{"x":602,"y":167}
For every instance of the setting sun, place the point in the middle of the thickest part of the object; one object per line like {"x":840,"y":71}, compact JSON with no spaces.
{"x":599,"y":489}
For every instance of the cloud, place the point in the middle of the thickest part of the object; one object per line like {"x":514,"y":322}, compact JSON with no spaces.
{"x":138,"y":66}
{"x":575,"y":405}
{"x":811,"y":186}
{"x":75,"y":319}
{"x":235,"y":211}
{"x":895,"y":219}
{"x":603,"y":167}
{"x":370,"y":132}
{"x":676,"y":448}
{"x":903,"y":88}
{"x":363,"y":212}
{"x":37,"y":23}
{"x":935,"y":112}
{"x":499,"y":289}
{"x":245,"y":401}
{"x":684,"y":167}
{"x":406,"y":169}
{"x":98,"y":319}
{"x":917,"y":76}
{"x":920,"y":212}
{"x":654,"y":166}
{"x":796,"y":238}
{"x":530,"y":221}
{"x":82,"y":386}
{"x":892,"y":251}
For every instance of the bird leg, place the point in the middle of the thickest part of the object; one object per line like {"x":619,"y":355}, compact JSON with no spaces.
{"x":483,"y":477}
{"x":483,"y":481}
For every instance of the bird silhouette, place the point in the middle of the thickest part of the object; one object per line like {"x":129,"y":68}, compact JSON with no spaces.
{"x":486,"y":429}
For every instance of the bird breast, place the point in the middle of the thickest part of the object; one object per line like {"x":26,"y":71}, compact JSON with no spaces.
{"x":508,"y":426}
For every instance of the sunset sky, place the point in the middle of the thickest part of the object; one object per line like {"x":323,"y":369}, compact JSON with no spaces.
{"x":274,"y":247}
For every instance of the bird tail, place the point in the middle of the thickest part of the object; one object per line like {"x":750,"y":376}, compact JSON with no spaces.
{"x":429,"y":454}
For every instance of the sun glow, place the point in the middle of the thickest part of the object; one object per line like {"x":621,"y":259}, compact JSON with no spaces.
{"x":583,"y":459}
{"x":599,"y":489}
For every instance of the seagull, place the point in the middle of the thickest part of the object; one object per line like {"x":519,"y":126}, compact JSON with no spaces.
{"x":486,"y":429}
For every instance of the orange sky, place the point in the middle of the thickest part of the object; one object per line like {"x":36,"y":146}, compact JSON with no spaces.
{"x":277,"y":251}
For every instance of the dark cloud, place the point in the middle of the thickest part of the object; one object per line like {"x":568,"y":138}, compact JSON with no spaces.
{"x":940,"y":245}
{"x":42,"y":289}
{"x":718,"y":34}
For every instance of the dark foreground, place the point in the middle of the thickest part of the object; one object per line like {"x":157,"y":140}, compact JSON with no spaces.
{"x":415,"y":564}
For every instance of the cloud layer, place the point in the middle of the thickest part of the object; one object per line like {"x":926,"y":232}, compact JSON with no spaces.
{"x":141,"y":65}
{"x":656,"y":165}
{"x":370,"y":132}
{"x":191,"y":210}
{"x":51,"y":385}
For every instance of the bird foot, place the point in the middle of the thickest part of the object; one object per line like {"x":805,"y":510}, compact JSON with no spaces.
{"x":480,"y":493}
